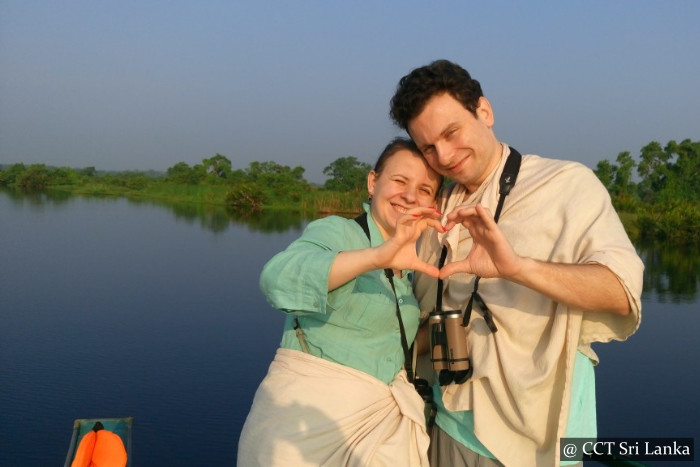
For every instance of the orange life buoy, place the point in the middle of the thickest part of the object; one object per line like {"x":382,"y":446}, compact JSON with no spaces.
{"x":100,"y":448}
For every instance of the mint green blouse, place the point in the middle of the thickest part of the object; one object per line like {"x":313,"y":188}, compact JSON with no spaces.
{"x":354,"y":325}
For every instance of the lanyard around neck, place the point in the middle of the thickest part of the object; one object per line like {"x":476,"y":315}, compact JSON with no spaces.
{"x":506,"y":183}
{"x":408,"y":361}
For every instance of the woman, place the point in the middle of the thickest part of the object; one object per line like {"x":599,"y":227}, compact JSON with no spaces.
{"x":336,"y":393}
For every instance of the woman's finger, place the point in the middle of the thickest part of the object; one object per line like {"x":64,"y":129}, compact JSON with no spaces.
{"x":434,"y":223}
{"x":424,"y":211}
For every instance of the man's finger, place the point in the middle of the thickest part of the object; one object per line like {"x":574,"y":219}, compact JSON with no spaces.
{"x":460,"y":213}
{"x":485,"y":215}
{"x":427,"y":268}
{"x":454,"y":268}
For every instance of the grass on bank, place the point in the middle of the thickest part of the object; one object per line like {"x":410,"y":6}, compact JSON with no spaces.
{"x":316,"y":200}
{"x":671,"y":222}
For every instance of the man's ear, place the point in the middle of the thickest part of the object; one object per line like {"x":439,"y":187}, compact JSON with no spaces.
{"x":484,"y":112}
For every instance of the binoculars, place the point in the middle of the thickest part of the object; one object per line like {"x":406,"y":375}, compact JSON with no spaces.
{"x":448,"y":347}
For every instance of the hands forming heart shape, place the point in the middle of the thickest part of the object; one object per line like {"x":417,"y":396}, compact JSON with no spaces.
{"x":490,"y":256}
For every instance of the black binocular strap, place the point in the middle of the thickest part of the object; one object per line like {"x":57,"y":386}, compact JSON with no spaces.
{"x":438,"y":298}
{"x":407,"y":353}
{"x":300,"y":336}
{"x":506,"y":183}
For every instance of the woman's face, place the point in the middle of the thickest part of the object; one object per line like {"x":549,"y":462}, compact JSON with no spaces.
{"x":405,"y":182}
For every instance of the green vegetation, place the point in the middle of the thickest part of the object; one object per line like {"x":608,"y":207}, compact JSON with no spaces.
{"x":263,"y":185}
{"x":347,"y":174}
{"x":662,"y":205}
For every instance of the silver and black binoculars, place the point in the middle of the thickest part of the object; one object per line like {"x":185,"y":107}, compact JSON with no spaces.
{"x":448,"y":347}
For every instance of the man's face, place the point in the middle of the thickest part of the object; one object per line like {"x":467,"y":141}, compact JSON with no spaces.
{"x":455,"y":143}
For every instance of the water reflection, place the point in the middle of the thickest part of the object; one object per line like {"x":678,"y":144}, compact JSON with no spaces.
{"x":113,"y":307}
{"x":672,"y":272}
{"x":218,"y":219}
{"x":37,"y":199}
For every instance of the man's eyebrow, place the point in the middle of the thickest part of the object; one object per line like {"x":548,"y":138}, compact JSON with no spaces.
{"x":449,"y":127}
{"x":425,"y":147}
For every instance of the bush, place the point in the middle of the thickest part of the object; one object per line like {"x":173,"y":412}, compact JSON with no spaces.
{"x":676,"y":221}
{"x":245,"y":198}
{"x":9,"y":174}
{"x":36,"y":177}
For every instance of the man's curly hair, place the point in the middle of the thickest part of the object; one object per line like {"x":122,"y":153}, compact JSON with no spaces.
{"x":420,"y":85}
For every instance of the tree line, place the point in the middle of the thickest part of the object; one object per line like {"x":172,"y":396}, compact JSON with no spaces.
{"x":657,"y":196}
{"x":214,"y":180}
{"x":665,"y":194}
{"x":346,"y":174}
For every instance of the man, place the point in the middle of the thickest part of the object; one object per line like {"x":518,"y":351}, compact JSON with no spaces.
{"x":557,"y":272}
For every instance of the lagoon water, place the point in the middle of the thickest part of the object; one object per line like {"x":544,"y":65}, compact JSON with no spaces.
{"x":115,"y":308}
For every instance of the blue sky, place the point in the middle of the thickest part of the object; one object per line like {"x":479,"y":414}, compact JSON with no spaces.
{"x":139,"y":85}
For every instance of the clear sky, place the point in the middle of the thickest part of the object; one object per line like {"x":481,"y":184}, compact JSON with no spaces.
{"x":139,"y":85}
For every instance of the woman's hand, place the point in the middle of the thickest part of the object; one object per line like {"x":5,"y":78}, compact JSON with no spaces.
{"x":399,"y":251}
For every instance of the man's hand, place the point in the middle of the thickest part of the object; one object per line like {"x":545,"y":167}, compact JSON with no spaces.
{"x":589,"y":286}
{"x":491,"y":254}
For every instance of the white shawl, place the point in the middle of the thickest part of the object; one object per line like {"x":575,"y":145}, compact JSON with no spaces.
{"x":558,"y":211}
{"x":311,"y":412}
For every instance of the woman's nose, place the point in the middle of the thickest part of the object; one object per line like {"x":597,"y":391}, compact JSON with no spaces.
{"x":409,"y":194}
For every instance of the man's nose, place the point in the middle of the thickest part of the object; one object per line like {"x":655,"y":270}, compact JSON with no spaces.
{"x":443,"y":151}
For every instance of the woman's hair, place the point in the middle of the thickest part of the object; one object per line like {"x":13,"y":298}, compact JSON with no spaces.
{"x":442,"y":76}
{"x":396,"y":145}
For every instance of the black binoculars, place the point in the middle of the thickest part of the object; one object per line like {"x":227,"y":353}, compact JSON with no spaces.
{"x":424,"y":389}
{"x":448,"y":347}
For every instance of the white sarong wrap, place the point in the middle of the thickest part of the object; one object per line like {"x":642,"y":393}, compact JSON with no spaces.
{"x":521,"y":386}
{"x":311,"y":412}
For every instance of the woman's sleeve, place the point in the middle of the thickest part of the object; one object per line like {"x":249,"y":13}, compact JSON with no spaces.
{"x":296,"y":279}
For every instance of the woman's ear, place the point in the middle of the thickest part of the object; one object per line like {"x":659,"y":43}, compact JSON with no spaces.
{"x":371,"y":178}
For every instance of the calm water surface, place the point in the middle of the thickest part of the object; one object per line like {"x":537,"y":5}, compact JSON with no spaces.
{"x":113,"y":308}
